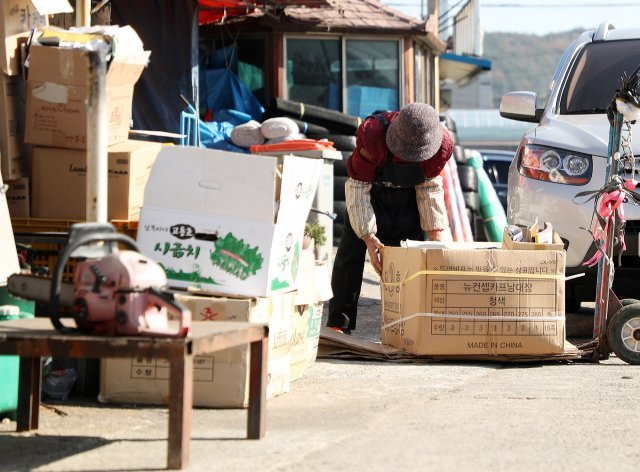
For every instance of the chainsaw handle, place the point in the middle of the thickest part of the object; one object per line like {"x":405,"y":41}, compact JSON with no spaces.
{"x":63,"y":257}
{"x":167,"y":300}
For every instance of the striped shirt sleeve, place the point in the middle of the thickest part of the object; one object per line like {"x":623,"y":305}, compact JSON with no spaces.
{"x":359,"y":209}
{"x":431,"y":205}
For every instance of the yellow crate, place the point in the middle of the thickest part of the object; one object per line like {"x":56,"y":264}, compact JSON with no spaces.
{"x":40,"y":241}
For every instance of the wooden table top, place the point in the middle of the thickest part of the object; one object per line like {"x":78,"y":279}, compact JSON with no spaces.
{"x":38,"y":335}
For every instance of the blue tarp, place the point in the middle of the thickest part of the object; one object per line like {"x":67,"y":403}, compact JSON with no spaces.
{"x":222,"y":90}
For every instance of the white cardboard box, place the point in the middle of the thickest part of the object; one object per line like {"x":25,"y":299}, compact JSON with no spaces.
{"x":314,"y":288}
{"x":227,"y":223}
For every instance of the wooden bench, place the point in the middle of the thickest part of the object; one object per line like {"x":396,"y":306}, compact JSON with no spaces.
{"x":32,"y":339}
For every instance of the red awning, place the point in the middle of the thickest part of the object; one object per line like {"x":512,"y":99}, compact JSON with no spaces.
{"x":216,"y":11}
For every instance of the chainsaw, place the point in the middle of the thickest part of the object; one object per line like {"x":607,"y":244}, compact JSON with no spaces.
{"x":114,"y":292}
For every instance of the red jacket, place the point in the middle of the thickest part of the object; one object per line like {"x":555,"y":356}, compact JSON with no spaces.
{"x":371,"y":136}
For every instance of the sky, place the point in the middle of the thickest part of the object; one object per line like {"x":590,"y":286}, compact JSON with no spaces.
{"x":540,"y":16}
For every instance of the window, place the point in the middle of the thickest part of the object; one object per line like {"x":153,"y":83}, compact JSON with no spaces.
{"x":372,"y":76}
{"x":314,"y":72}
{"x":356,"y":76}
{"x":595,"y":75}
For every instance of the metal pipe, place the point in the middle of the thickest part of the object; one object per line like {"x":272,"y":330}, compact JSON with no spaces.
{"x":97,"y":163}
{"x":604,"y":264}
{"x":83,"y":12}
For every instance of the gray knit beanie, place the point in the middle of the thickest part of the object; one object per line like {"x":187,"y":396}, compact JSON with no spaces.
{"x":415,"y":134}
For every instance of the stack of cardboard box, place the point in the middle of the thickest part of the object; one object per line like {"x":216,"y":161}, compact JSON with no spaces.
{"x":228,"y":229}
{"x":49,"y":172}
{"x":17,"y":18}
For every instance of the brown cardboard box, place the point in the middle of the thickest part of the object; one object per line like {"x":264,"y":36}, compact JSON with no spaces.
{"x":17,"y":17}
{"x":221,"y":380}
{"x":59,"y":179}
{"x":14,"y":162}
{"x":508,"y":243}
{"x":57,"y":93}
{"x":470,"y":302}
{"x":18,"y":197}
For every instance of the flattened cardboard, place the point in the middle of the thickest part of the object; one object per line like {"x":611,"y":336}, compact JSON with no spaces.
{"x":227,"y":223}
{"x":59,"y":179}
{"x":470,"y":302}
{"x":57,"y":92}
{"x":220,"y":380}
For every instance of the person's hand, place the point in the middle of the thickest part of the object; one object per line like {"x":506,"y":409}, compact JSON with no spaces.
{"x":374,"y":246}
{"x":443,"y":235}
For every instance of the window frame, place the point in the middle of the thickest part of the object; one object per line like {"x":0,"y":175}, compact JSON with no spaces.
{"x":399,"y":40}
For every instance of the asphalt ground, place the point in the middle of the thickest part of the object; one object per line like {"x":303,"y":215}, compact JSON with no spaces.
{"x":363,"y":415}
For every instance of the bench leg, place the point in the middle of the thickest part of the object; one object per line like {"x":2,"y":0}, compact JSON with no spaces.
{"x":28,"y":394}
{"x":257,"y":389}
{"x":180,"y":408}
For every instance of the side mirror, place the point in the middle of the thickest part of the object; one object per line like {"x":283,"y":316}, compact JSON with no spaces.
{"x":520,"y":106}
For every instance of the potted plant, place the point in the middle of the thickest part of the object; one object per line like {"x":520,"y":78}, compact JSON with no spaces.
{"x":314,"y":236}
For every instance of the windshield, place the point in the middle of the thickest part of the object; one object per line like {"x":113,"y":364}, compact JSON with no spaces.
{"x":595,"y":75}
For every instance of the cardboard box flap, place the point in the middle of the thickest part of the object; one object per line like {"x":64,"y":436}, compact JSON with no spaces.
{"x":495,"y":261}
{"x":51,"y":64}
{"x":70,"y":66}
{"x":509,"y":243}
{"x":19,"y":16}
{"x":314,"y":283}
{"x":212,"y":182}
{"x":126,"y":70}
{"x":299,"y":181}
{"x":51,"y":7}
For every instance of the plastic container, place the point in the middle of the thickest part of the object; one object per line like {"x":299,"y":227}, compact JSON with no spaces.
{"x":11,"y":308}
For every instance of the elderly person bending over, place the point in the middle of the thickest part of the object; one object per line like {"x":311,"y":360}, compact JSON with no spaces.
{"x":394,"y":192}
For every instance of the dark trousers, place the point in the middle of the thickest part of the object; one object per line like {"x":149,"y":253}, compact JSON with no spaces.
{"x":397,"y":218}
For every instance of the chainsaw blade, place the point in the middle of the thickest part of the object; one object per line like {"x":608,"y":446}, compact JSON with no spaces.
{"x":38,"y":288}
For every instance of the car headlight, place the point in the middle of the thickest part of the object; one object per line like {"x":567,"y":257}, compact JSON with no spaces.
{"x":554,"y":165}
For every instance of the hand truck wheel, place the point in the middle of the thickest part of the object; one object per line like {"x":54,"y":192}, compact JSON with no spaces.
{"x":623,"y":333}
{"x":629,"y":301}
